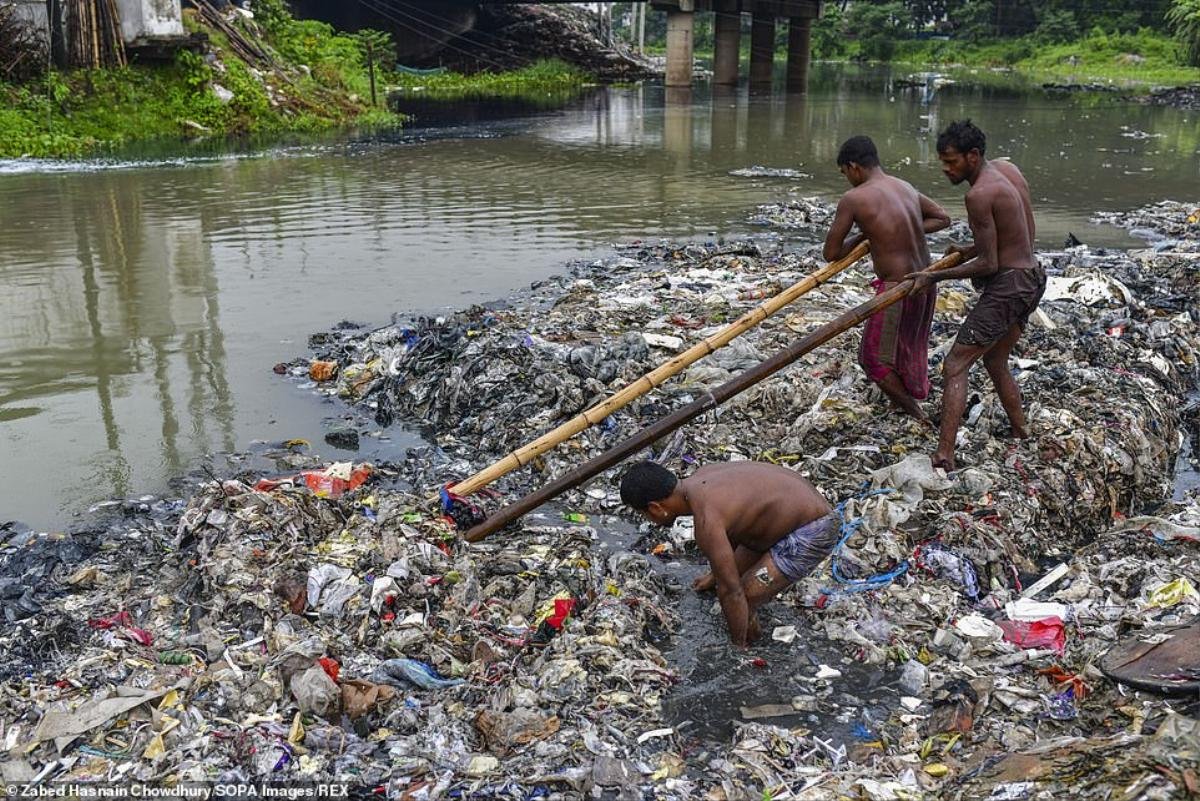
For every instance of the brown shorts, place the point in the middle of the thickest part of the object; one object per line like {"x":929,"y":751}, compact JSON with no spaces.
{"x":1008,"y":298}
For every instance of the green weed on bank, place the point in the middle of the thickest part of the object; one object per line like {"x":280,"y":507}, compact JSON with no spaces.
{"x":324,"y":85}
{"x":551,"y":77}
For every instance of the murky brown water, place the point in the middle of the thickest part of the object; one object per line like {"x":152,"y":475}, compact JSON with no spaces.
{"x":145,"y":302}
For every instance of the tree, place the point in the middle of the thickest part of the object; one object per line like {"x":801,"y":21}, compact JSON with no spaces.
{"x":1184,"y":19}
{"x":878,"y":27}
{"x":829,"y":33}
{"x":1056,"y":25}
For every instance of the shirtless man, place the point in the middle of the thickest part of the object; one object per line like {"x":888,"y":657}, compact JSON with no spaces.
{"x":762,"y":527}
{"x":895,"y":217}
{"x":1005,"y":271}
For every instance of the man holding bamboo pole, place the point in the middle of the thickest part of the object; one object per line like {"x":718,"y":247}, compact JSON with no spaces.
{"x":1006,"y":272}
{"x":894,"y":352}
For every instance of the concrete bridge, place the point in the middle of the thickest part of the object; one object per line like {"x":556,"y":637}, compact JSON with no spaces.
{"x":452,"y":18}
{"x":727,"y":32}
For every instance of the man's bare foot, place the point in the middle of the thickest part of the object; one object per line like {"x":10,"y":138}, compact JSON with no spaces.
{"x":1020,"y":432}
{"x":944,"y":462}
{"x":704,"y":583}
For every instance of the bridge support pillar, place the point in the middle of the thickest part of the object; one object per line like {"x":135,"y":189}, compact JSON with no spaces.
{"x":679,"y":48}
{"x":799,"y":48}
{"x":762,"y":48}
{"x":727,"y":41}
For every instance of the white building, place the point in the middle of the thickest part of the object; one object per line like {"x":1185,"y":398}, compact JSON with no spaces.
{"x":142,"y":21}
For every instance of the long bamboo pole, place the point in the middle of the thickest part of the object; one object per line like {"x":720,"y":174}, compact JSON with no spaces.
{"x":526,"y":453}
{"x":710,"y":400}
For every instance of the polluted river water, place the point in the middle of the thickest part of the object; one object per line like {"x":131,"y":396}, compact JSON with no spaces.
{"x":146,"y":299}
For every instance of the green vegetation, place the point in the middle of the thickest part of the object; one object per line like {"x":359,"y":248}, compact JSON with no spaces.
{"x":319,"y":81}
{"x":551,"y":80}
{"x":1080,"y":41}
{"x":1128,"y":59}
{"x":1184,"y":19}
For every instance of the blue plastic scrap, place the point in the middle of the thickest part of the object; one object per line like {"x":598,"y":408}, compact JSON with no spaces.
{"x":413,"y":671}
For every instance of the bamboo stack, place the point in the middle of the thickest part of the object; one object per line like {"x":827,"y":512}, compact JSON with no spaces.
{"x":94,"y":34}
{"x":244,"y":46}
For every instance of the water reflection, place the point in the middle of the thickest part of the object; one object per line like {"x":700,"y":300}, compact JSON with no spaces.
{"x":145,"y":303}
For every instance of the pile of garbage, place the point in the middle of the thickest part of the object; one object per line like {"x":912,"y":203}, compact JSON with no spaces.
{"x":1182,"y":97}
{"x":325,"y":626}
{"x":276,"y":634}
{"x":1112,"y":325}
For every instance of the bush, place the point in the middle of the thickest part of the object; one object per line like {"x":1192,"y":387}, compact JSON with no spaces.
{"x":1184,"y":18}
{"x":1018,"y":51}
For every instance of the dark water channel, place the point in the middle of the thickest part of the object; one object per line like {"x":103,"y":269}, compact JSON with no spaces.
{"x":145,"y":299}
{"x":718,"y":680}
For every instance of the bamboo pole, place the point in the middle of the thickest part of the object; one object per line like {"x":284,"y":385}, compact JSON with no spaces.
{"x":94,"y":25}
{"x":709,"y":400}
{"x":526,"y":453}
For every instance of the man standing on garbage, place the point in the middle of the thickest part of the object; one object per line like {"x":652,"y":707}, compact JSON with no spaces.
{"x":1005,"y":271}
{"x":895,"y":217}
{"x":762,"y":527}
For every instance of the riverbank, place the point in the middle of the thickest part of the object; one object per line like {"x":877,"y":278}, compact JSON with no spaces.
{"x":549,"y":82}
{"x":306,"y":78}
{"x":1135,"y":63}
{"x":1132,"y":62}
{"x":264,"y":633}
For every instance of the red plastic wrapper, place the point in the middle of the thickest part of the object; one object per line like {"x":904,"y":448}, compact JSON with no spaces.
{"x":112,"y":621}
{"x":1048,"y":632}
{"x":1060,"y":676}
{"x":562,"y":610}
{"x":331,"y":667}
{"x":124,"y":621}
{"x":332,"y":482}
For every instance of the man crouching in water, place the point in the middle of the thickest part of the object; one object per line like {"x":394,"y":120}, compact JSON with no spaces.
{"x":762,"y":527}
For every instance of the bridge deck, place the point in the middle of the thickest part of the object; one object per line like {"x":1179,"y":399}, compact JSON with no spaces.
{"x":778,"y":8}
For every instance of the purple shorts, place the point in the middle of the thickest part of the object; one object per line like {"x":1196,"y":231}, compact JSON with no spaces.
{"x":799,"y":552}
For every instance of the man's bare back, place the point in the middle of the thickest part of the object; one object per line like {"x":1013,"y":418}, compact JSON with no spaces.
{"x":755,"y":504}
{"x":893,"y":216}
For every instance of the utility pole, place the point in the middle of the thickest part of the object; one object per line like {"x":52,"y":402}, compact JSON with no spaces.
{"x":641,"y":15}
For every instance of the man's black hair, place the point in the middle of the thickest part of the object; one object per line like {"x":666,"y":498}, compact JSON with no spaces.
{"x":858,"y":150}
{"x":646,"y":482}
{"x":962,"y":135}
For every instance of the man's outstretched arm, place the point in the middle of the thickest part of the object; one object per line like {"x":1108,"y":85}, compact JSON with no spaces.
{"x":713,"y":540}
